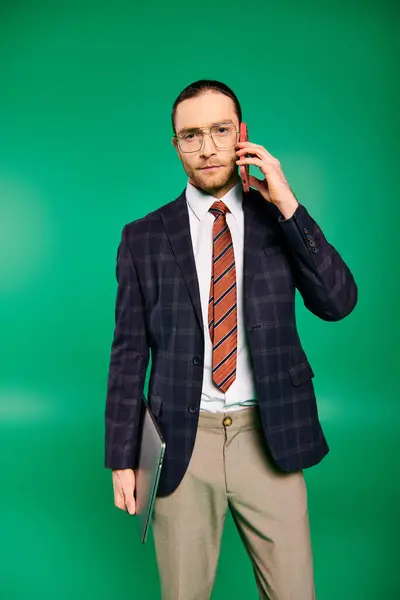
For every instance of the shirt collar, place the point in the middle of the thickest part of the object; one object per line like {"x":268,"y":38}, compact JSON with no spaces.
{"x":200,"y":202}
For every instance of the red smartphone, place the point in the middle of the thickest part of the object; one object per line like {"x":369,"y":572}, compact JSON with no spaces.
{"x":244,"y":169}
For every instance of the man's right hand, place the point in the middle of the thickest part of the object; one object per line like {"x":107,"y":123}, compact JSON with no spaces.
{"x":124,"y":488}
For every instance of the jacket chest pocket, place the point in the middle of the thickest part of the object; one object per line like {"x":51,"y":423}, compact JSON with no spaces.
{"x":274,"y":258}
{"x":273,"y":271}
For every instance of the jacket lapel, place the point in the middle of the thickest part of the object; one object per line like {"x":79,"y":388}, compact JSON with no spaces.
{"x":175,"y":216}
{"x":176,"y":222}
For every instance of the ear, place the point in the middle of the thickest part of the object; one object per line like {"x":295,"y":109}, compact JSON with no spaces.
{"x":175,"y":145}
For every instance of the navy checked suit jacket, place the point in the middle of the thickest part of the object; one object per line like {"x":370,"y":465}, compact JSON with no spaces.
{"x":158,"y":310}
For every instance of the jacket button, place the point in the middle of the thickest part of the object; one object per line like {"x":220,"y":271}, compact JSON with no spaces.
{"x":192,"y":409}
{"x":197,"y":360}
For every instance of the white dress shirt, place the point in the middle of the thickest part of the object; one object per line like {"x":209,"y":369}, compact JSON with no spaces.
{"x":242,"y":392}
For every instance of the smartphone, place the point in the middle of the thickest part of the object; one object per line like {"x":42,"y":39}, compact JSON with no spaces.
{"x":244,"y":169}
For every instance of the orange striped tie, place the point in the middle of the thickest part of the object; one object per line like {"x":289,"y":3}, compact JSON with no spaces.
{"x":222,"y":312}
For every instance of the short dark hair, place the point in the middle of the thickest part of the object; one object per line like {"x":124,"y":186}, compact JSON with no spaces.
{"x":200,"y":87}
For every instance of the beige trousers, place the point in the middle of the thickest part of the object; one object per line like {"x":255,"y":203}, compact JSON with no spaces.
{"x":231,"y":468}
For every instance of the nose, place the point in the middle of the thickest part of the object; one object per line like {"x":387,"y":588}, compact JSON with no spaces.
{"x":208,"y":148}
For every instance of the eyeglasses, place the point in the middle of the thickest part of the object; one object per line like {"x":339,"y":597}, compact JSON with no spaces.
{"x":223,"y":135}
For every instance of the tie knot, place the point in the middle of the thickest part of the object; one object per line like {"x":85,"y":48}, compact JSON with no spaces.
{"x":219,"y":208}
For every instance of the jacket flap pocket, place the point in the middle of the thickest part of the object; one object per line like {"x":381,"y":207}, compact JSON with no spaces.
{"x":155,"y":403}
{"x":301,"y":372}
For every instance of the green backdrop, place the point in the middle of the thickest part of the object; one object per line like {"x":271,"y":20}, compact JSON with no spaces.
{"x":86,"y":91}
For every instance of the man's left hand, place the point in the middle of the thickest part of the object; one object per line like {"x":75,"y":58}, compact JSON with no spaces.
{"x":274,"y":188}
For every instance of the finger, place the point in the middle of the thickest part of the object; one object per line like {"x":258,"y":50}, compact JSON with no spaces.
{"x":249,"y":153}
{"x":130,"y":501}
{"x":250,"y":161}
{"x":251,"y":147}
{"x":253,"y":150}
{"x":124,"y":499}
{"x":132,"y":508}
{"x":254,"y":182}
{"x":261,"y":186}
{"x":258,"y":183}
{"x":119,"y":501}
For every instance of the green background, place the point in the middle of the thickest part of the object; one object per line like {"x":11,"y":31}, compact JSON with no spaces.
{"x":86,"y":91}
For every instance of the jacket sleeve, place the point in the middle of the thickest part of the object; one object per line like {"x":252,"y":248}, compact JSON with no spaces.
{"x":322,"y":277}
{"x":128,"y":365}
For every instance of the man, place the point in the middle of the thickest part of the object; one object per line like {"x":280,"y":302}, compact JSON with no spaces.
{"x":207,"y":282}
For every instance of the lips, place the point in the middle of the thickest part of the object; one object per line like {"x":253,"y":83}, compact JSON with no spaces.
{"x":210,"y":167}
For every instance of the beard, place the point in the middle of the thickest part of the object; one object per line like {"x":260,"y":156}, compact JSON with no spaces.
{"x":214,"y":181}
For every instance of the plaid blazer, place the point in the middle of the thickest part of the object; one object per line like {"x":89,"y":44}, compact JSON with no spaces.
{"x":158,"y":309}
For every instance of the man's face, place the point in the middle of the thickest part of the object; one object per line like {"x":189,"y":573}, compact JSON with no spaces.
{"x":203,"y":111}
